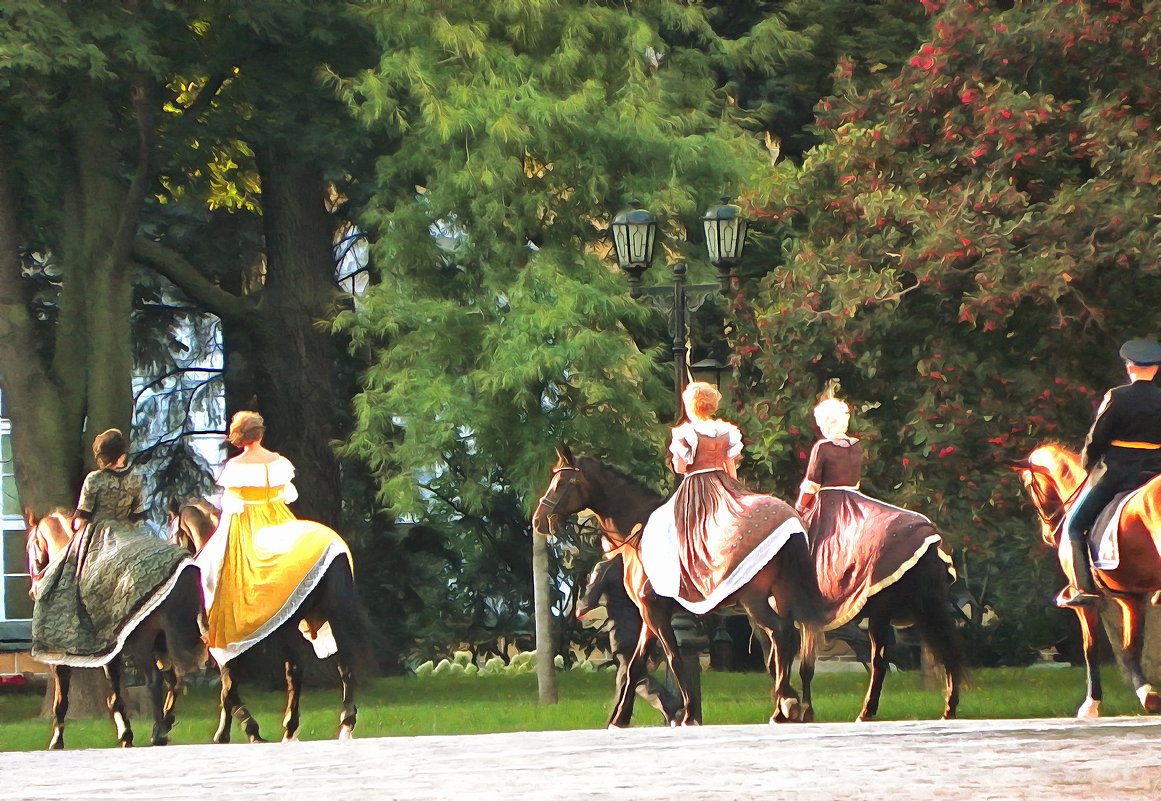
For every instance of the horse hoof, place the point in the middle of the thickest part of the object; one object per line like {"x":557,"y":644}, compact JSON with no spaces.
{"x":1088,"y":710}
{"x":791,"y":709}
{"x":346,"y":733}
{"x":57,"y":743}
{"x":1150,"y":700}
{"x":159,"y":741}
{"x":254,"y":738}
{"x":807,"y":714}
{"x":126,"y":743}
{"x":865,"y":718}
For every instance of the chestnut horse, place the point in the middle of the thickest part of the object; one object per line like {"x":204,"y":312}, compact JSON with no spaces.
{"x":333,"y":601}
{"x":163,"y":645}
{"x":623,"y":505}
{"x":1052,"y":475}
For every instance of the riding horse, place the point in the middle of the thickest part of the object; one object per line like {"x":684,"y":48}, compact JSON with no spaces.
{"x":622,"y":505}
{"x":1052,"y":476}
{"x":333,"y":602}
{"x":919,"y":598}
{"x":163,"y":644}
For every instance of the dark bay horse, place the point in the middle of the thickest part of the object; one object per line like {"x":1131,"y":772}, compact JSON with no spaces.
{"x":1051,"y":475}
{"x":333,"y":601}
{"x":918,"y":598}
{"x":164,"y":645}
{"x":623,"y":505}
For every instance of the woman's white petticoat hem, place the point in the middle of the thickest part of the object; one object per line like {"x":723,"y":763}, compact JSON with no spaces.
{"x":659,"y":557}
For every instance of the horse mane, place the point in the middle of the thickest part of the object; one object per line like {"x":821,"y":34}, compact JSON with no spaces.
{"x":620,"y":475}
{"x":1062,"y":464}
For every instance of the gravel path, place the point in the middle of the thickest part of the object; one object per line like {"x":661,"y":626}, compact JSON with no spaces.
{"x":1118,"y":759}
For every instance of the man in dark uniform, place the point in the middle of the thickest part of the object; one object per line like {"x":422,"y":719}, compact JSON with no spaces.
{"x":606,"y":588}
{"x":1121,"y":452}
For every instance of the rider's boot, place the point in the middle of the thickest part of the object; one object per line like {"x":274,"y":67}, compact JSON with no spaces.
{"x":1081,"y":591}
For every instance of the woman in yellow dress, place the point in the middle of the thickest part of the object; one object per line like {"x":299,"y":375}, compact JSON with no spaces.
{"x":262,"y":561}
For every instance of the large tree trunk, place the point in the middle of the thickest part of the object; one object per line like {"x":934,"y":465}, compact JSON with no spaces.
{"x":59,"y":397}
{"x":295,"y":354}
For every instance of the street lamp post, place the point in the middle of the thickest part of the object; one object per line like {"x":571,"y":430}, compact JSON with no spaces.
{"x":634,"y":238}
{"x":634,"y":234}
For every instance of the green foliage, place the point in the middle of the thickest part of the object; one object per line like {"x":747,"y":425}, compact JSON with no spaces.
{"x":965,"y":251}
{"x":506,"y":332}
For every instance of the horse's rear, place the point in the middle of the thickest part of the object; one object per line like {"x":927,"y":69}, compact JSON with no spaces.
{"x":904,"y":583}
{"x":1139,"y":543}
{"x":167,"y":646}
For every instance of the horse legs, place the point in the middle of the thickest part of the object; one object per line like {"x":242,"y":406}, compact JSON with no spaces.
{"x":117,"y":703}
{"x":63,"y":675}
{"x":349,"y":712}
{"x":806,"y":670}
{"x":658,"y":618}
{"x":1132,"y":644}
{"x":161,"y":682}
{"x":290,"y":720}
{"x":629,"y":666}
{"x":628,"y":671}
{"x":233,"y":708}
{"x":879,"y":630}
{"x":1090,"y":623}
{"x":783,"y":645}
{"x":342,"y":601}
{"x":936,"y":628}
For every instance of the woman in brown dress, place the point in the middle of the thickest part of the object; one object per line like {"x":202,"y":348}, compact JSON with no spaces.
{"x":713,"y":535}
{"x":861,"y":545}
{"x":836,"y":460}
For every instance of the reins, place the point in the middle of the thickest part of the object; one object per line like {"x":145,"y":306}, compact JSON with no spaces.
{"x":1040,"y":500}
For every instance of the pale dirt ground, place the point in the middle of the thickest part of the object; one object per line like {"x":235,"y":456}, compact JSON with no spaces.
{"x":1116,"y":759}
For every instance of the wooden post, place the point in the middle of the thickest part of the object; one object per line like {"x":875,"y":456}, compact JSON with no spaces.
{"x":545,"y":641}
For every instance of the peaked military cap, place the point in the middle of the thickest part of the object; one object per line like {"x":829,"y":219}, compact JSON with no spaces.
{"x":1142,"y":352}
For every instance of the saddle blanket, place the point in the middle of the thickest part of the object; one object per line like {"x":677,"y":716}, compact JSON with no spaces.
{"x":1104,"y":547}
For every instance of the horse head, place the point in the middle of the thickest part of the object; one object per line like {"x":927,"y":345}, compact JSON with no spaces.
{"x":1051,"y":475}
{"x":192,"y":524}
{"x":47,"y":537}
{"x":567,"y":494}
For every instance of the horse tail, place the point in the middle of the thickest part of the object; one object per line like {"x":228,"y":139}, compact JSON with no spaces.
{"x":797,"y":565}
{"x":183,"y":635}
{"x":350,"y":621}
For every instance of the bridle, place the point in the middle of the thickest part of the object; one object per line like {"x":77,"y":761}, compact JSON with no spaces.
{"x":1042,"y":498}
{"x":551,"y":504}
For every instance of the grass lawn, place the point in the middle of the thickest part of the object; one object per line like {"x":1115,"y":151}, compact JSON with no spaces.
{"x":471,"y":705}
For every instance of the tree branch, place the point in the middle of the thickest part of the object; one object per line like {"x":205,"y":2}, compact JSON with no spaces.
{"x":190,"y":280}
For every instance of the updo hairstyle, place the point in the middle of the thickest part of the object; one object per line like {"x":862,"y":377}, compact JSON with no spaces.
{"x":246,"y":428}
{"x":832,"y":415}
{"x":701,"y":399}
{"x":109,"y":446}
